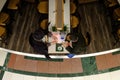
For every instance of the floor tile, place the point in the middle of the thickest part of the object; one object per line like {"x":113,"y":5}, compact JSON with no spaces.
{"x":7,"y":76}
{"x":76,"y":65}
{"x":101,"y":62}
{"x":111,"y":61}
{"x":3,"y":55}
{"x":54,"y":67}
{"x":27,"y":77}
{"x":12,"y":61}
{"x":31,"y":65}
{"x":20,"y":63}
{"x":66,"y":66}
{"x":42,"y":66}
{"x":115,"y":75}
{"x":89,"y":65}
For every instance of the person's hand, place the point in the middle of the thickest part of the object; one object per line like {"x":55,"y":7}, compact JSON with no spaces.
{"x":53,"y":42}
{"x":65,"y":44}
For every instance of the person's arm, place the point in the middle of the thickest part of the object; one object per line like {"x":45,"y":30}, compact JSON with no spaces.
{"x":68,"y":47}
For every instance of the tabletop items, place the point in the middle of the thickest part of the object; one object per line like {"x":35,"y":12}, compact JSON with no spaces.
{"x":59,"y":18}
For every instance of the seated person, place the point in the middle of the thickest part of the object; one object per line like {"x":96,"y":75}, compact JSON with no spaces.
{"x":38,"y":44}
{"x":76,"y":43}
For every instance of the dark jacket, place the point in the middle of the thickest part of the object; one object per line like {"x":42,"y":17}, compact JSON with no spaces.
{"x":35,"y":40}
{"x":79,"y":46}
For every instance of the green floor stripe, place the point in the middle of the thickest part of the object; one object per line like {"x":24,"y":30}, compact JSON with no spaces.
{"x":63,"y":75}
{"x":89,"y":68}
{"x":43,"y":59}
{"x":1,"y":74}
{"x":115,"y":53}
{"x":43,"y":74}
{"x":89,"y":65}
{"x":3,"y":68}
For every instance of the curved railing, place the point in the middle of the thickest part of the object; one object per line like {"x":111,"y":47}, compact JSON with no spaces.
{"x":62,"y":56}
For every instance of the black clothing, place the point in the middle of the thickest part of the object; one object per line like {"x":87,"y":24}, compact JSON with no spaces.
{"x":38,"y":45}
{"x":78,"y":46}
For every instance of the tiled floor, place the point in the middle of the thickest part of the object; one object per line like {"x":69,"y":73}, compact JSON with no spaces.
{"x":105,"y":76}
{"x":3,"y":55}
{"x":107,"y":61}
{"x":72,"y":67}
{"x":67,"y":66}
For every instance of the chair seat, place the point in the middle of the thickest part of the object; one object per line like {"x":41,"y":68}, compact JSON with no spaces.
{"x":2,"y":31}
{"x":13,"y":4}
{"x":3,"y":35}
{"x":74,"y":21}
{"x":43,"y":7}
{"x":44,"y":24}
{"x":72,"y":8}
{"x":4,"y":18}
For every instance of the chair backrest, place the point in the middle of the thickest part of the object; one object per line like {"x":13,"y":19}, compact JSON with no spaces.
{"x":13,"y":4}
{"x":4,"y":18}
{"x":116,"y":14}
{"x":74,"y":21}
{"x":44,"y":24}
{"x":43,"y":7}
{"x":72,"y":8}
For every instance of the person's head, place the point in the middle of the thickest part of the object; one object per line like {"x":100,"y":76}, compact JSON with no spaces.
{"x":72,"y":37}
{"x":38,"y":35}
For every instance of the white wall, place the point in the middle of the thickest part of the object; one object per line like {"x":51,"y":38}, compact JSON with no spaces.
{"x":2,"y":3}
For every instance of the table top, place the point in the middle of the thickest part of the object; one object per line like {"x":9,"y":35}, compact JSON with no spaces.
{"x":58,"y":48}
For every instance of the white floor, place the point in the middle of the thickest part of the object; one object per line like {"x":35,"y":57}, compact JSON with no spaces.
{"x":3,"y":55}
{"x":104,"y":76}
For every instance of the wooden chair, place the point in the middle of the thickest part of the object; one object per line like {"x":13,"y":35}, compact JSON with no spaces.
{"x":4,"y":18}
{"x":5,"y":21}
{"x":43,"y":7}
{"x":3,"y":35}
{"x":72,"y":8}
{"x":74,"y":21}
{"x":13,"y":4}
{"x":116,"y":14}
{"x":44,"y":24}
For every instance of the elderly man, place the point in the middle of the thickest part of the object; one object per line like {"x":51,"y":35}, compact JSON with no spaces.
{"x":76,"y":43}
